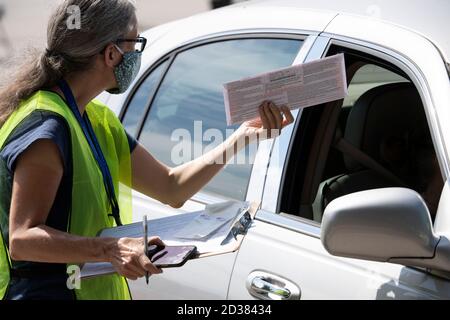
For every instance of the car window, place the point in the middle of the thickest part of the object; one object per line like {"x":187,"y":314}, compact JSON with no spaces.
{"x":395,"y":134}
{"x":189,"y":103}
{"x":139,"y":102}
{"x":384,"y":120}
{"x":368,"y":77}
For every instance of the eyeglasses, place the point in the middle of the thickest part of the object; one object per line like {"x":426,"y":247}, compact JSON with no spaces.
{"x":140,"y":43}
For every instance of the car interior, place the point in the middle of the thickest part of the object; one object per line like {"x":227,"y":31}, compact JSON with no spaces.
{"x":378,"y":138}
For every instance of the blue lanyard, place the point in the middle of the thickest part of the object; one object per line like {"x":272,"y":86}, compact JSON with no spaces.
{"x":95,"y":148}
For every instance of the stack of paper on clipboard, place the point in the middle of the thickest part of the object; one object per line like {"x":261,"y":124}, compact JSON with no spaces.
{"x":218,"y":229}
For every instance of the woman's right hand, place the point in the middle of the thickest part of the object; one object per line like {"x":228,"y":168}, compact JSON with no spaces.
{"x":128,"y":258}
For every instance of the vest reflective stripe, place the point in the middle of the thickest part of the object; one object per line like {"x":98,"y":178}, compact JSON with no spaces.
{"x":90,"y":206}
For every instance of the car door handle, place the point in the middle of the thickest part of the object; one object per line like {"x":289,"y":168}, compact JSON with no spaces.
{"x":267,"y":286}
{"x":260,"y":285}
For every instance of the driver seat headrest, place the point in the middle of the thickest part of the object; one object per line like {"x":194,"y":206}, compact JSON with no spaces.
{"x":386,"y":111}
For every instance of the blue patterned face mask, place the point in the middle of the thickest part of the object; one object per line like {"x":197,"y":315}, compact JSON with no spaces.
{"x":126,"y":71}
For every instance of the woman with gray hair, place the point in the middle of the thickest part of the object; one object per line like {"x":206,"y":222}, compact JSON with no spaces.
{"x":67,"y":166}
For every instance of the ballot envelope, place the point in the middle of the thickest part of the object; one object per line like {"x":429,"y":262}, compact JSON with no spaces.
{"x":298,"y":86}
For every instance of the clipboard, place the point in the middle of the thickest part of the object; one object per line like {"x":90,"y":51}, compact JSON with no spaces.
{"x":228,"y":243}
{"x":234,"y":240}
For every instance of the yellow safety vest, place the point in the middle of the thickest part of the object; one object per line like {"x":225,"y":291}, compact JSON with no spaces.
{"x":90,"y":206}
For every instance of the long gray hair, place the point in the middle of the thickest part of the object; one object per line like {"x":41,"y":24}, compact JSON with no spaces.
{"x":70,"y":48}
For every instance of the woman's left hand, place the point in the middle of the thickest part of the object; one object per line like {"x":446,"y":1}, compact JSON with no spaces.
{"x":270,"y":123}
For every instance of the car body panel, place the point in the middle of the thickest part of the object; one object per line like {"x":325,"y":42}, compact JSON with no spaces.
{"x":301,"y":259}
{"x":443,"y":218}
{"x":197,"y":279}
{"x":423,"y":17}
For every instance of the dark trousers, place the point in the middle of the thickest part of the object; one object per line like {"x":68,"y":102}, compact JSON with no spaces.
{"x":40,"y":288}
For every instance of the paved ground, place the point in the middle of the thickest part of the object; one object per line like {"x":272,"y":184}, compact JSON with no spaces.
{"x":24,"y":22}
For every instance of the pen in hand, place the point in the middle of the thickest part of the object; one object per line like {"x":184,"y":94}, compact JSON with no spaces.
{"x":146,"y":244}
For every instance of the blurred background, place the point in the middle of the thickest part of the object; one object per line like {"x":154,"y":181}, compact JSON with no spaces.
{"x":23,"y":23}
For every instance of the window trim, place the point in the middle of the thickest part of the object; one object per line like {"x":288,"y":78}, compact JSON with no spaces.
{"x":261,"y":167}
{"x":150,"y":98}
{"x":276,"y":172}
{"x":290,"y":222}
{"x":141,"y":81}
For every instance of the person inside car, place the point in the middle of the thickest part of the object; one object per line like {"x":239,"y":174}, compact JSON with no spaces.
{"x":410,"y":155}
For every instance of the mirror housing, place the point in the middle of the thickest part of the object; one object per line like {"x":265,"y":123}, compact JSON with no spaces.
{"x":387,"y":225}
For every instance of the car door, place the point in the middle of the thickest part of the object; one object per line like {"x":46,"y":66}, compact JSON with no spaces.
{"x":177,"y":112}
{"x":282,"y":256}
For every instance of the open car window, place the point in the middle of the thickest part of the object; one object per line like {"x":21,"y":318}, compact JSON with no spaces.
{"x":367,"y":77}
{"x":378,"y":137}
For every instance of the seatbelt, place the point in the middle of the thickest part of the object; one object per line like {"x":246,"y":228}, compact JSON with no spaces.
{"x":350,"y":150}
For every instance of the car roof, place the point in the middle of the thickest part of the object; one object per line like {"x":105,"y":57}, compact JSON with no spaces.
{"x":429,"y":18}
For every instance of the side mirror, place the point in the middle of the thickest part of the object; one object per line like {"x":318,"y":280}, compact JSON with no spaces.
{"x":388,"y":225}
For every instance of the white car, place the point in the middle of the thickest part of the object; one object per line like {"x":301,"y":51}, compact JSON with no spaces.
{"x":350,"y":193}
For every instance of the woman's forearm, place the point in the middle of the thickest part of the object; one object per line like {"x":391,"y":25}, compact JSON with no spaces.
{"x":45,"y":244}
{"x":174,"y":186}
{"x":191,"y":177}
